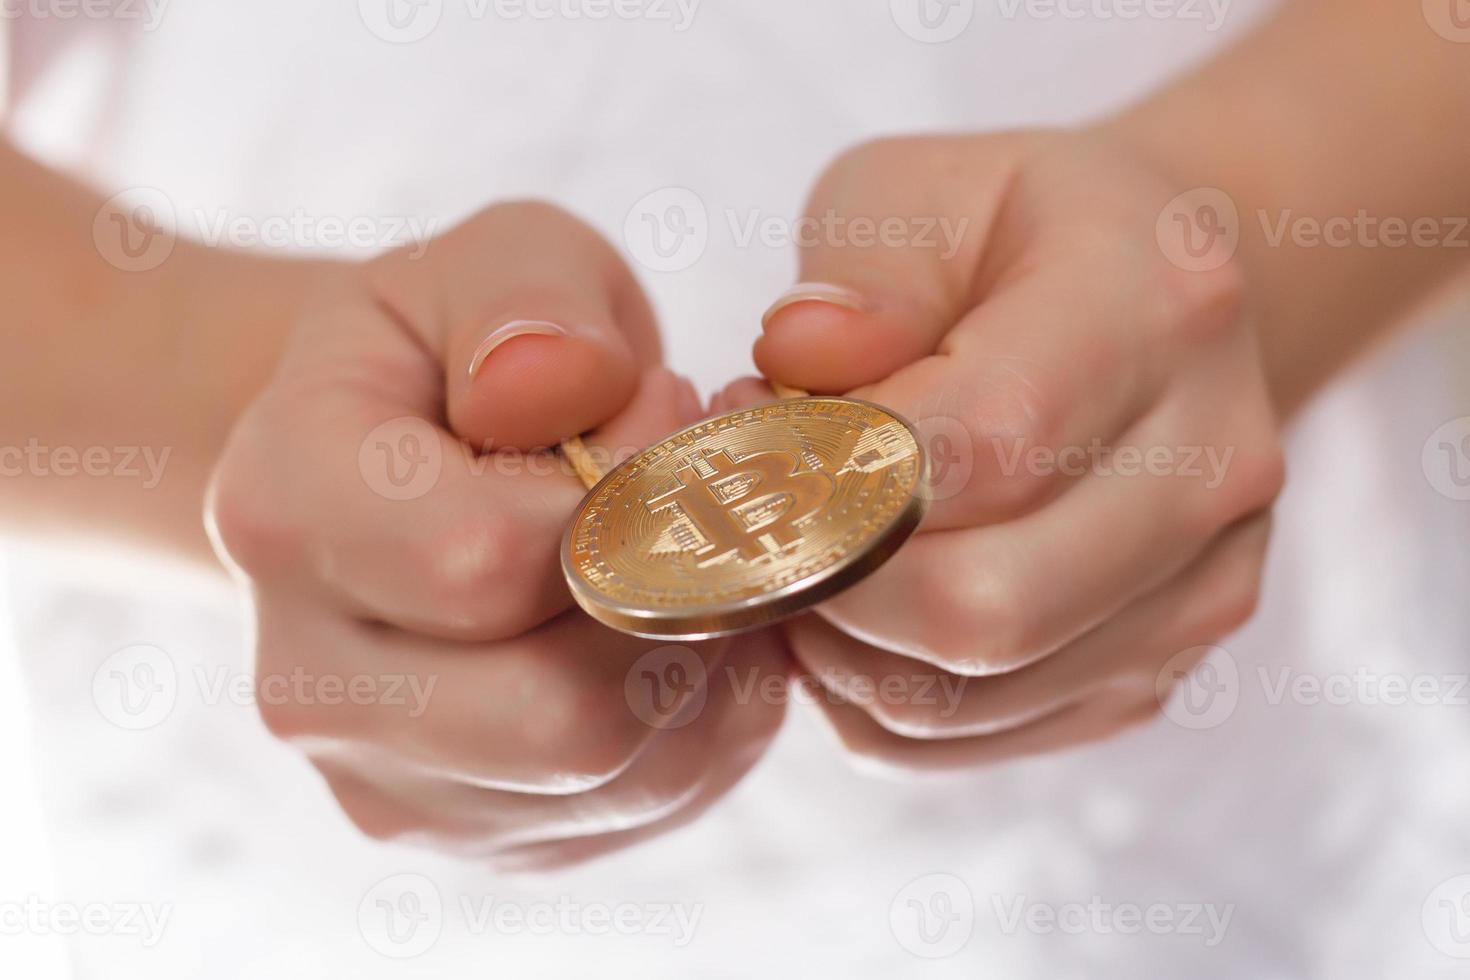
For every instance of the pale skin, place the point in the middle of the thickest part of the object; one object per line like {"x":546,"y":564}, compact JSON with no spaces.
{"x":1059,"y":321}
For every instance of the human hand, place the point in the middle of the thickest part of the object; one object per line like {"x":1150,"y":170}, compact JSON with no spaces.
{"x":1116,"y":442}
{"x":383,"y":550}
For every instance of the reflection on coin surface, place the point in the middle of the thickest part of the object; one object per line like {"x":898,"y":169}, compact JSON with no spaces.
{"x":746,"y":518}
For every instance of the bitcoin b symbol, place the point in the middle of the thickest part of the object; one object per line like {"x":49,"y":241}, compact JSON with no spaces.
{"x":748,"y":507}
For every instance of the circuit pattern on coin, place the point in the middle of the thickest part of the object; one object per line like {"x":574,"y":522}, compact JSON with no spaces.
{"x":745,"y":518}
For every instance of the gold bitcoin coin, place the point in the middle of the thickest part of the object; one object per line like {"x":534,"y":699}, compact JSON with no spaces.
{"x":747,"y":518}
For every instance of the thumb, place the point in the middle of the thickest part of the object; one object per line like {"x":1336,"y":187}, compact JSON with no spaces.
{"x":541,"y":328}
{"x":885,"y":271}
{"x":891,"y":249}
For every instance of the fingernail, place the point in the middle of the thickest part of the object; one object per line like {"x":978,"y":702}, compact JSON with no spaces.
{"x":817,"y":292}
{"x":510,"y":331}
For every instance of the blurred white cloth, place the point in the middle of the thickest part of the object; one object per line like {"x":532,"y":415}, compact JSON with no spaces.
{"x":1323,"y":830}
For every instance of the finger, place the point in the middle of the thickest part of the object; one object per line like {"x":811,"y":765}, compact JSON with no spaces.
{"x":886,"y":263}
{"x":1024,"y":371}
{"x":723,"y":777}
{"x":680,"y":773}
{"x":727,"y":751}
{"x":993,"y":599}
{"x":742,"y":393}
{"x":664,"y":402}
{"x":1215,"y":596}
{"x":551,"y":712}
{"x":1016,"y":401}
{"x":391,"y":516}
{"x":877,"y":751}
{"x":541,"y":327}
{"x":1022,"y":394}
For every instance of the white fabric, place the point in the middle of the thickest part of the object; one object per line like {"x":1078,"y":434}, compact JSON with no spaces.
{"x":1325,"y":828}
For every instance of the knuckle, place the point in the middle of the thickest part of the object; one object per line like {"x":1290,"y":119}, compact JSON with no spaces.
{"x":1204,"y":513}
{"x":1142,"y":713}
{"x":1201,"y":305}
{"x":289,"y":713}
{"x":972,"y":623}
{"x":587,"y":739}
{"x":908,"y":720}
{"x":476,"y":566}
{"x":869,"y":154}
{"x":669,"y":789}
{"x":1262,"y":476}
{"x":1003,"y":404}
{"x":569,"y":735}
{"x":595,"y":757}
{"x":256,"y":533}
{"x":495,"y":222}
{"x":862,"y":751}
{"x":258,"y":518}
{"x":517,"y":211}
{"x":534,"y":226}
{"x":507,"y":231}
{"x":289,"y":720}
{"x":877,"y":162}
{"x":1253,"y":479}
{"x":1236,"y":606}
{"x":1013,"y":427}
{"x":377,"y":819}
{"x":389,"y":820}
{"x":1236,"y":597}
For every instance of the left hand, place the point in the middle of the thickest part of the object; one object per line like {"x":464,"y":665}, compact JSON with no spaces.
{"x":1051,"y":587}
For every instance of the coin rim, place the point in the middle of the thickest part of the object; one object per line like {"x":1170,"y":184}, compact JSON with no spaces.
{"x":711,"y":621}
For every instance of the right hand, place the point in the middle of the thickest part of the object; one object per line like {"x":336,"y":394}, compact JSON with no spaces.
{"x":539,"y":742}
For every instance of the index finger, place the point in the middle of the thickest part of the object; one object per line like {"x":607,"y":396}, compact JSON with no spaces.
{"x":338,"y":481}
